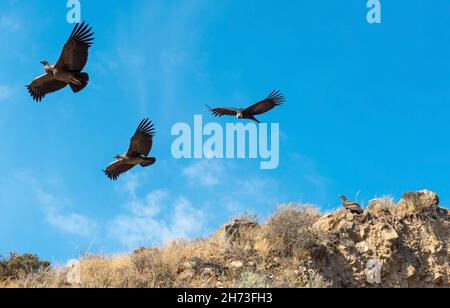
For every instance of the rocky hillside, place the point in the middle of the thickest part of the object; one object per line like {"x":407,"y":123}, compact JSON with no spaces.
{"x":390,"y":245}
{"x":408,"y":241}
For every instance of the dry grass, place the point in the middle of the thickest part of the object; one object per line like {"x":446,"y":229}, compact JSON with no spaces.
{"x":385,"y":203}
{"x":260,"y":256}
{"x":289,"y":231}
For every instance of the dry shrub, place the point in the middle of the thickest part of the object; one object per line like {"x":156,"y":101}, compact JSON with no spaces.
{"x":101,"y":272}
{"x":145,"y":268}
{"x":290,"y":231}
{"x":248,"y":217}
{"x":18,"y":266}
{"x":251,"y":280}
{"x":157,"y":268}
{"x":384,"y":204}
{"x":49,"y":278}
{"x":243,"y":246}
{"x":314,"y":280}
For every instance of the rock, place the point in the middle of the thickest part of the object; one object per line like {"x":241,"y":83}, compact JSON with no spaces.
{"x":325,"y":223}
{"x":345,"y":225}
{"x":439,"y":279}
{"x":350,"y":217}
{"x":362,"y":247}
{"x":379,"y":207}
{"x":236,"y":265}
{"x":189,"y":265}
{"x":234,"y":230}
{"x":208,"y":272}
{"x":410,"y":272}
{"x":417,"y":202}
{"x":186,"y":275}
{"x":364,"y":231}
{"x":390,"y":235}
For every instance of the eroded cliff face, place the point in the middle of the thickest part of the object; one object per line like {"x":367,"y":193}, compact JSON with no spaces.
{"x":404,"y":244}
{"x":390,"y":245}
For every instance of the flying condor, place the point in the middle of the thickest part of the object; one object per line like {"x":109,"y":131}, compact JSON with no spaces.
{"x":137,"y":154}
{"x":275,"y":99}
{"x":68,"y":69}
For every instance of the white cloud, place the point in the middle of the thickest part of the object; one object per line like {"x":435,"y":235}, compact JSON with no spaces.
{"x":148,"y":207}
{"x":54,"y":207}
{"x":147,"y":223}
{"x":205,"y":172}
{"x":71,"y":223}
{"x":130,"y":184}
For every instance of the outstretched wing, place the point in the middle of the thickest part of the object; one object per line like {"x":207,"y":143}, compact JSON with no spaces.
{"x":142,"y":141}
{"x":44,"y":85}
{"x":116,"y":169}
{"x":220,"y":112}
{"x":74,"y":55}
{"x":273,"y":100}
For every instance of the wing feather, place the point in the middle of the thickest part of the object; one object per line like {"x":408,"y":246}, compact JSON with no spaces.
{"x":117,"y":168}
{"x":142,"y":141}
{"x":220,"y":112}
{"x":273,"y":100}
{"x":44,"y":85}
{"x":75,"y":53}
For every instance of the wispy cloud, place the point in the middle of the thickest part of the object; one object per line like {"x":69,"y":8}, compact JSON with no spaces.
{"x":130,"y":184}
{"x":54,"y":207}
{"x":205,"y":172}
{"x":71,"y":223}
{"x":147,"y":222}
{"x":317,"y":180}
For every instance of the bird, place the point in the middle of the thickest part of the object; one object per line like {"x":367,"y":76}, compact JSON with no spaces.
{"x":274,"y":99}
{"x":137,"y":154}
{"x":436,"y":201}
{"x":68,"y":68}
{"x":353,"y":207}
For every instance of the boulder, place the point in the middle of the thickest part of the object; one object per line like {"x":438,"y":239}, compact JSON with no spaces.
{"x":235,"y":229}
{"x":418,"y":202}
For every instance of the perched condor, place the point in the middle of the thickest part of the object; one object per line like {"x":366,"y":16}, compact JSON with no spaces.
{"x":140,"y":147}
{"x":353,"y":207}
{"x":68,"y":69}
{"x":273,"y":100}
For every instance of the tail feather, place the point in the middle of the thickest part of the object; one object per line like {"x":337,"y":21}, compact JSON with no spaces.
{"x":82,"y":80}
{"x":148,"y":162}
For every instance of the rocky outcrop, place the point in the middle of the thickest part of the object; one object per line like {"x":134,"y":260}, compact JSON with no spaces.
{"x":390,"y":245}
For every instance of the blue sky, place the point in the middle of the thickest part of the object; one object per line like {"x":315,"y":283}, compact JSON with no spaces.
{"x":366,"y":114}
